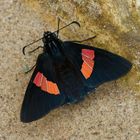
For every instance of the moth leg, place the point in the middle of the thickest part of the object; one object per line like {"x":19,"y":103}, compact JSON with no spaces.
{"x":30,"y":69}
{"x":58,"y":26}
{"x":80,"y":41}
{"x":35,"y":49}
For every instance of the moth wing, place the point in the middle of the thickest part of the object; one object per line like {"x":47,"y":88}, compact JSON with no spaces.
{"x":43,"y":93}
{"x":96,"y":65}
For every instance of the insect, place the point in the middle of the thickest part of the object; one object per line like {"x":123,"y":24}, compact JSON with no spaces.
{"x":66,"y":72}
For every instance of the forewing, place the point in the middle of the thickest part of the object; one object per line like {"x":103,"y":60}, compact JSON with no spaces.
{"x":96,"y":65}
{"x":43,"y":93}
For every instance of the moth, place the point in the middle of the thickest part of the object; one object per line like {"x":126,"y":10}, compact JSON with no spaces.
{"x":67,"y":71}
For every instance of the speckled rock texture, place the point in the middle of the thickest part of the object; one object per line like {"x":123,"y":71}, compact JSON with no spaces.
{"x":113,"y":111}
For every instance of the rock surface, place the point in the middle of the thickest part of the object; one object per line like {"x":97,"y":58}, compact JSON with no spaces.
{"x":113,"y":112}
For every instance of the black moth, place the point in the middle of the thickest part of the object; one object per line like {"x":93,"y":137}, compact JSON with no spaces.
{"x":66,"y":72}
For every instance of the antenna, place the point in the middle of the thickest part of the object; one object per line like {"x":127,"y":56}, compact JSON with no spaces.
{"x":23,"y":50}
{"x":73,"y":22}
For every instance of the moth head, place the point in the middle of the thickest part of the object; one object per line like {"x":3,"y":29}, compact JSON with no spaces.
{"x":49,"y":36}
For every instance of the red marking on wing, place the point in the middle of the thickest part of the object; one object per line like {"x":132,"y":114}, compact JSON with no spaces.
{"x":88,"y":53}
{"x":41,"y":81}
{"x":38,"y":79}
{"x":88,"y":64}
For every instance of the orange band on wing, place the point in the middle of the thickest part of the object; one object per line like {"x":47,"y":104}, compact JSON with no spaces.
{"x":41,"y":81}
{"x":52,"y":88}
{"x":44,"y":84}
{"x":88,"y":62}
